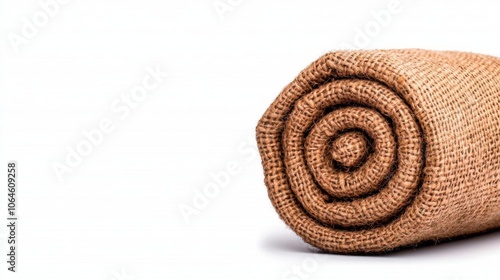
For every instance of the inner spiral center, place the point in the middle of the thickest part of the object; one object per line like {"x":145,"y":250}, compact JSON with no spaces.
{"x":349,"y":149}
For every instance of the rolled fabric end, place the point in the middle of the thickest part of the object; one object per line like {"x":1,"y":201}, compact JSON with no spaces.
{"x":369,"y":151}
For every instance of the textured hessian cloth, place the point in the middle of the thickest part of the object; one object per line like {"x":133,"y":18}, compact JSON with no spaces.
{"x":368,"y":151}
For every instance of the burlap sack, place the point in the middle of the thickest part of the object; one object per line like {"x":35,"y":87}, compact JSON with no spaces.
{"x":368,"y":151}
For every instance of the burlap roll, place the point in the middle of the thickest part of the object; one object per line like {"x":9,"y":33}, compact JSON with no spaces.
{"x":368,"y":151}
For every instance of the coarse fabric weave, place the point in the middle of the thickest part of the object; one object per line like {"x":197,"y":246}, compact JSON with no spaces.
{"x":369,"y":151}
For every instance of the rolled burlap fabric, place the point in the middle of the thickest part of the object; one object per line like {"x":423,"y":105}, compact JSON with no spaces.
{"x":369,"y":151}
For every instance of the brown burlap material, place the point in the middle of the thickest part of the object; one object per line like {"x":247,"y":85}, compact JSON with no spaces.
{"x":368,"y":151}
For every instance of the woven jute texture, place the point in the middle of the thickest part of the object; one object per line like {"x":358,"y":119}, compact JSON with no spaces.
{"x":369,"y":151}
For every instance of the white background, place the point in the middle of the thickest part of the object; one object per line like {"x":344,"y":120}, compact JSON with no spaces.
{"x":117,"y":215}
